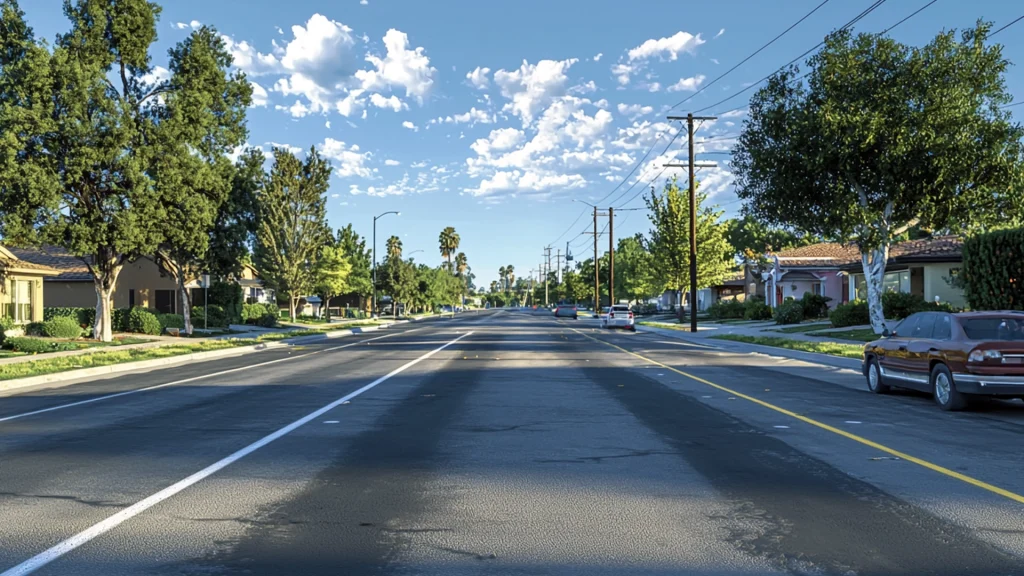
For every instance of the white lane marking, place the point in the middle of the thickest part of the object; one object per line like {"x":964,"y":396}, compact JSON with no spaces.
{"x":781,"y":427}
{"x":332,"y":421}
{"x":854,"y":422}
{"x":193,"y":379}
{"x":43,"y":558}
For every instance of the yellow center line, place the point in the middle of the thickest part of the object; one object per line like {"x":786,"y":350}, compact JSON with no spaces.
{"x":859,"y":439}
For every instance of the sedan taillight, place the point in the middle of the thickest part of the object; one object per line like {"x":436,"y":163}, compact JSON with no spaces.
{"x":982,"y":355}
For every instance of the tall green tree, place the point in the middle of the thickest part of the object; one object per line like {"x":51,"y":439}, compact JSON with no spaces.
{"x":461,"y":269}
{"x":95,"y":141}
{"x":234,"y":227}
{"x":503,"y":278}
{"x":448,"y":243}
{"x":670,"y":240}
{"x":331,"y":274}
{"x":881,"y":136}
{"x":360,"y":279}
{"x":634,"y":269}
{"x":292,"y":225}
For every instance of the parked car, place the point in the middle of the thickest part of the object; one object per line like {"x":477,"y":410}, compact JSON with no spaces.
{"x":954,"y":357}
{"x":566,"y":311}
{"x":619,"y":316}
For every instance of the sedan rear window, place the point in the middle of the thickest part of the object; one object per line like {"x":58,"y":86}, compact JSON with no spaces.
{"x":621,"y":308}
{"x":994,"y":328}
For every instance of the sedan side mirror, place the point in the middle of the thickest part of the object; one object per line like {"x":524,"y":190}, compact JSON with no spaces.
{"x":886,"y":333}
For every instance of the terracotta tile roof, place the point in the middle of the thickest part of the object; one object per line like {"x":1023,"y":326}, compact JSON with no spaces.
{"x":822,"y":254}
{"x":70,"y":268}
{"x":831,"y":254}
{"x":16,"y":264}
{"x":937,"y":248}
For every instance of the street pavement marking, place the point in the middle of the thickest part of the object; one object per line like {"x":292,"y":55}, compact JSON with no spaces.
{"x":192,"y":379}
{"x":849,"y":435}
{"x":100,"y":528}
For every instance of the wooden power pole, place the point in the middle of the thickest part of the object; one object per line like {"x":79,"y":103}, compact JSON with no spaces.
{"x":693,"y":211}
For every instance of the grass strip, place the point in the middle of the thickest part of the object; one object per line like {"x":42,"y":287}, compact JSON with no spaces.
{"x":830,"y":348}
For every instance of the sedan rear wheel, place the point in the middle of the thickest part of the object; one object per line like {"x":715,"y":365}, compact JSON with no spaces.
{"x":944,"y":390}
{"x":874,"y":376}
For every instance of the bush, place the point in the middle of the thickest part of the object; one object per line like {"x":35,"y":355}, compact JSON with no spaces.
{"x":85,"y":317}
{"x":171,"y":321}
{"x":992,"y":270}
{"x":119,"y":319}
{"x":268,"y":320}
{"x":815,"y":306}
{"x":789,"y":312}
{"x":64,"y":327}
{"x":30,"y":345}
{"x":756,"y":310}
{"x":899,"y":305}
{"x":142,"y":321}
{"x":227,"y":296}
{"x":213,"y":316}
{"x":6,"y":324}
{"x":34,"y":329}
{"x":854,"y":313}
{"x":726,"y":309}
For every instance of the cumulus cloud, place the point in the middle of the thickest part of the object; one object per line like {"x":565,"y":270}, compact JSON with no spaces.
{"x":687,"y":84}
{"x":666,"y":48}
{"x":634,"y":111}
{"x":418,"y":165}
{"x":364,"y":2}
{"x":654,"y":87}
{"x":533,"y":86}
{"x":391,"y":102}
{"x":410,"y":126}
{"x":621,"y":72}
{"x":390,"y":162}
{"x":195,"y":24}
{"x":349,"y":160}
{"x":259,"y":94}
{"x":400,"y":67}
{"x":597,"y":57}
{"x":478,"y":77}
{"x":288,"y":147}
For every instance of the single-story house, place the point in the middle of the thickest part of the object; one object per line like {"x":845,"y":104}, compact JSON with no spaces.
{"x":923,"y":267}
{"x":140,"y":283}
{"x":21,"y":288}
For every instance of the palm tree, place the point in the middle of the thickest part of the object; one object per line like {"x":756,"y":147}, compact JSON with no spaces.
{"x":448,"y":242}
{"x":494,"y":286}
{"x":510,"y":270}
{"x":394,"y":247}
{"x":502,"y":277}
{"x":461,"y":266}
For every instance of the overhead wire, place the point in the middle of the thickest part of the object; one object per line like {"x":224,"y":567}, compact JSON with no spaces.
{"x":1006,"y":26}
{"x":744,"y":61}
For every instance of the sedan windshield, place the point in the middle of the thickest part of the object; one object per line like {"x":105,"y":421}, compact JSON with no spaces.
{"x":994,"y":328}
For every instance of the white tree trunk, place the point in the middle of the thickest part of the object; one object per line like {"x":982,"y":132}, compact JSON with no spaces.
{"x":292,"y":302}
{"x":186,"y":306}
{"x":104,"y":281}
{"x":874,"y":261}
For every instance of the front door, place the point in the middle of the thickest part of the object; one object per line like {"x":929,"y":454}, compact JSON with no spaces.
{"x":895,"y":363}
{"x":920,"y":347}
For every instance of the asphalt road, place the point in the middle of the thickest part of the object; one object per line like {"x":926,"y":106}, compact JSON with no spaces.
{"x":504,"y":443}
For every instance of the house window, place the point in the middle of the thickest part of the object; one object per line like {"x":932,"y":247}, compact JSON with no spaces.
{"x":165,"y":301}
{"x":19,"y":308}
{"x":817,"y":289}
{"x":898,"y":281}
{"x":131,"y":298}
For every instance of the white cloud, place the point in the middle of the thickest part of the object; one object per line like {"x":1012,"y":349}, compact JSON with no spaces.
{"x":642,"y":135}
{"x":279,"y":30}
{"x":250,"y":60}
{"x":364,"y":2}
{"x":597,"y":58}
{"x":391,"y":102}
{"x":478,"y":77}
{"x":156,"y":75}
{"x":418,"y":165}
{"x":533,"y":86}
{"x":195,"y":25}
{"x":409,"y":69}
{"x":472,"y":117}
{"x":390,"y":162}
{"x":259,"y":94}
{"x":669,"y":47}
{"x":654,"y":87}
{"x":622,"y":72}
{"x":327,"y":124}
{"x":505,"y":138}
{"x":602,"y":103}
{"x":733,"y":113}
{"x":297,"y":110}
{"x":714,"y":60}
{"x":585,"y":88}
{"x":687,"y":84}
{"x":293,"y":149}
{"x":410,"y":126}
{"x":720,"y":32}
{"x":634,"y":111}
{"x":350,"y":161}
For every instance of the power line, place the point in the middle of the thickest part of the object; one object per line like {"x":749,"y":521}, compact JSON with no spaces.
{"x":755,"y":53}
{"x":849,"y":24}
{"x":912,"y":14}
{"x":637,"y":165}
{"x":1014,"y":104}
{"x":1007,"y":26}
{"x":569,"y":228}
{"x":639,"y":178}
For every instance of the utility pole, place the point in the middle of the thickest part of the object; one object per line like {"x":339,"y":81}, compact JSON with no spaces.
{"x":693,"y":212}
{"x":558,"y":265}
{"x":597,"y":285}
{"x":547,"y":271}
{"x":611,"y":256}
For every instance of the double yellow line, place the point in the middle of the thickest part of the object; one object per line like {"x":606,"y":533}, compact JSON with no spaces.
{"x":859,"y":439}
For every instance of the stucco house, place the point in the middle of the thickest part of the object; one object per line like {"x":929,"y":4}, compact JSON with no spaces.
{"x":923,"y":267}
{"x":140,"y":283}
{"x":21,"y":288}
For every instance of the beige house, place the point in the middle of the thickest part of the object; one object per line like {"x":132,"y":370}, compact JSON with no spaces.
{"x":21,"y":288}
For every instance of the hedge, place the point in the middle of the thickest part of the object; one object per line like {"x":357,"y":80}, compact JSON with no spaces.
{"x":171,"y":321}
{"x":142,"y":321}
{"x":63,"y":327}
{"x":85,"y":317}
{"x":993,"y":270}
{"x":853,"y":313}
{"x":30,"y":345}
{"x":216,"y":317}
{"x":228,"y":296}
{"x":789,"y":312}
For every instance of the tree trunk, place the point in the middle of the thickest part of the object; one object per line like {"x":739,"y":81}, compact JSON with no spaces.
{"x":104,"y":279}
{"x":292,"y":302}
{"x":874,"y":261}
{"x":682,"y":310}
{"x":186,"y":304}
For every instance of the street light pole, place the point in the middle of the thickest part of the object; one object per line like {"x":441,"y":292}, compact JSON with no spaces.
{"x":374,"y":253}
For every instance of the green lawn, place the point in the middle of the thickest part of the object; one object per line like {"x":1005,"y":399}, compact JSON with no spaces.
{"x":798,"y":328}
{"x":861,"y":334}
{"x":830,"y":348}
{"x":668,"y":325}
{"x":107,"y":357}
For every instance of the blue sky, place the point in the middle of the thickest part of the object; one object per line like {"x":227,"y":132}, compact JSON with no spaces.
{"x":492,"y":117}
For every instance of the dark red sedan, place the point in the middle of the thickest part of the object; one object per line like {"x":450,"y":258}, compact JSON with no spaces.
{"x":954,"y":357}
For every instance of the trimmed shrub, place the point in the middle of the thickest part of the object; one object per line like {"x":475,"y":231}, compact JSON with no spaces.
{"x":268,"y":320}
{"x":119,"y":319}
{"x":30,"y":345}
{"x":853,"y":313}
{"x":143,"y":321}
{"x":815,"y":306}
{"x":212,"y":315}
{"x":725,"y":309}
{"x":171,"y":321}
{"x":992,"y":270}
{"x":35,"y":329}
{"x":228,"y":296}
{"x":85,"y":317}
{"x":64,"y":327}
{"x":899,"y":305}
{"x":756,"y":310}
{"x":6,"y":325}
{"x":789,"y":312}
